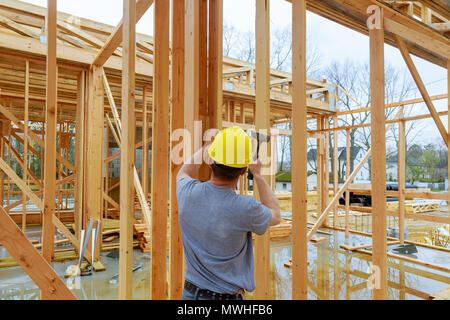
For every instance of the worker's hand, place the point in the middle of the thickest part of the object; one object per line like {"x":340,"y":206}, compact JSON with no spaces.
{"x":255,"y":168}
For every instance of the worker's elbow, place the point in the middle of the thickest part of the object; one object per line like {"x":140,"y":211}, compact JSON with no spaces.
{"x":276,"y":218}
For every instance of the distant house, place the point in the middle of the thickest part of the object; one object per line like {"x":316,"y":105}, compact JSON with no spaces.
{"x":283,"y":181}
{"x":356,"y":153}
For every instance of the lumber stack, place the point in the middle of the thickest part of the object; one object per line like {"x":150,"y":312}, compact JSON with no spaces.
{"x":143,"y":237}
{"x":414,"y":207}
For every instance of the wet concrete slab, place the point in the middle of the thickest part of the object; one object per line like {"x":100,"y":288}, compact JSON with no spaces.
{"x":333,"y":273}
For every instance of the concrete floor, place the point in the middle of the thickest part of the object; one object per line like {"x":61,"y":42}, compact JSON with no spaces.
{"x":345,"y":281}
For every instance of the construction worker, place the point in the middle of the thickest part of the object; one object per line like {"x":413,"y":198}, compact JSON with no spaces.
{"x":217,"y":223}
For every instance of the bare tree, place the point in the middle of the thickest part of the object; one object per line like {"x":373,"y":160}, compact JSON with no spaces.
{"x":354,"y":78}
{"x":229,"y":39}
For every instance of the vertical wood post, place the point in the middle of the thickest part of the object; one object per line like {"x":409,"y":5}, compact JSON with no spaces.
{"x":176,"y":248}
{"x":378,"y":129}
{"x":160,"y":147}
{"x":348,"y":156}
{"x":48,"y":229}
{"x":25,"y":144}
{"x":127,"y":158}
{"x":262,"y":122}
{"x":299,"y":148}
{"x":94,"y":152}
{"x":145,"y":165}
{"x":335,"y":170}
{"x":401,"y":176}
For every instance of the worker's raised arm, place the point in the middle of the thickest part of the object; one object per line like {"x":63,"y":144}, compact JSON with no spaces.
{"x":266,"y":194}
{"x":192,"y":166}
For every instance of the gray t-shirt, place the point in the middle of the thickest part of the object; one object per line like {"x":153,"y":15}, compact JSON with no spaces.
{"x":217,"y":225}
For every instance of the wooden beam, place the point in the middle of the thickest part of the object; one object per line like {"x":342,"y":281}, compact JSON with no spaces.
{"x":177,"y":114}
{"x":401,"y":177}
{"x":421,"y":87}
{"x":145,"y":162}
{"x":94,"y":152}
{"x":215,"y":83}
{"x":262,"y":122}
{"x":160,"y":150}
{"x":116,"y":37}
{"x":192,"y":78}
{"x":299,"y":148}
{"x":79,"y":152}
{"x":127,"y":159}
{"x":378,"y":134}
{"x":48,"y":229}
{"x":335,"y":169}
{"x":38,"y":269}
{"x":25,"y":146}
{"x":348,"y":155}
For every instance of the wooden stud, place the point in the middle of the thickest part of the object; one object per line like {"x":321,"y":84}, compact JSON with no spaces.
{"x":299,"y":147}
{"x":48,"y":229}
{"x":145,"y":145}
{"x":348,"y":156}
{"x":94,"y":152}
{"x":262,"y":122}
{"x":378,"y":129}
{"x":176,"y":245}
{"x":192,"y":62}
{"x":127,"y":150}
{"x":335,"y":169}
{"x":160,"y":153}
{"x":401,"y":177}
{"x":215,"y":83}
{"x":25,"y":145}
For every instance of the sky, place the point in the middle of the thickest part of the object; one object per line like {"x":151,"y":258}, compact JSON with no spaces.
{"x":333,"y":41}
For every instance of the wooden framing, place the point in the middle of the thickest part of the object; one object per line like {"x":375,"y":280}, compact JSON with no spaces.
{"x":127,"y":150}
{"x":94,"y":152}
{"x":178,"y":56}
{"x":160,"y":150}
{"x":378,"y":134}
{"x":48,"y":229}
{"x":299,"y":145}
{"x":262,"y":243}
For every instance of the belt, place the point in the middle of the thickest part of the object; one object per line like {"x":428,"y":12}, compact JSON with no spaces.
{"x":204,"y":293}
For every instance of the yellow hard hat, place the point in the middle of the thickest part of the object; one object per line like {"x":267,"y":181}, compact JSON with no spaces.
{"x":232,"y":147}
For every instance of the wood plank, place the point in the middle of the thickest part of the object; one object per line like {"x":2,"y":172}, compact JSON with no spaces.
{"x":421,"y":87}
{"x":25,"y":146}
{"x":38,"y":269}
{"x":262,"y":122}
{"x":94,"y":152}
{"x":48,"y":229}
{"x":347,"y":174}
{"x":79,"y":152}
{"x":160,"y":150}
{"x":378,"y":129}
{"x":401,"y":176}
{"x":127,"y":159}
{"x":177,"y":114}
{"x":299,"y":147}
